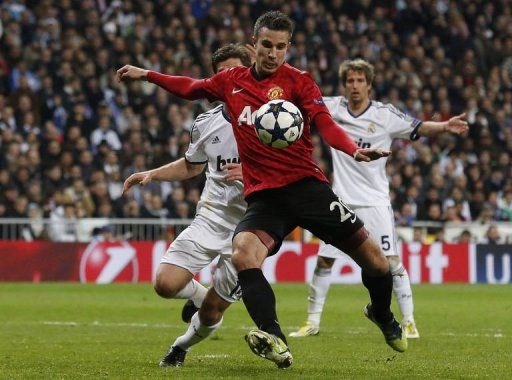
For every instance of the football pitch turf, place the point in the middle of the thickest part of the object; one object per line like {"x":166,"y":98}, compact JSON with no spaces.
{"x":69,"y":331}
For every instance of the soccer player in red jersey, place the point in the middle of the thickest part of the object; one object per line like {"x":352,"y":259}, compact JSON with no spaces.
{"x":284,"y":188}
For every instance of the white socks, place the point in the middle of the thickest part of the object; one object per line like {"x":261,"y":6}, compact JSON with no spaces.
{"x":196,"y":333}
{"x":317,"y":293}
{"x":193,"y":291}
{"x":403,"y":292}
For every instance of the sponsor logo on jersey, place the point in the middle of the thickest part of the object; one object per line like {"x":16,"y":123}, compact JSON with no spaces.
{"x":363,"y":144}
{"x":221,"y":162}
{"x":216,"y":140}
{"x":237,"y":90}
{"x":275,"y":93}
{"x":319,"y":101}
{"x":372,"y":128}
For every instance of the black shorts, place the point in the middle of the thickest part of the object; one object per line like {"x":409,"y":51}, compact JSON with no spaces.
{"x":308,"y":203}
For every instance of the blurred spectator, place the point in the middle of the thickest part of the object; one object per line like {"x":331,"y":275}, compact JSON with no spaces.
{"x":104,"y":134}
{"x":465,"y":237}
{"x":492,"y":236}
{"x":103,"y":234}
{"x":418,"y":235}
{"x":406,"y":216}
{"x":63,"y":227}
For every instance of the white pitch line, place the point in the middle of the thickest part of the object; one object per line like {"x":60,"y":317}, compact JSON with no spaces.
{"x":213,"y":356}
{"x":354,"y":331}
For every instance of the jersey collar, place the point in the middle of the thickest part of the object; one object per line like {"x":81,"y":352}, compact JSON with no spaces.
{"x":259,"y":78}
{"x":225,"y":114}
{"x":356,"y":116}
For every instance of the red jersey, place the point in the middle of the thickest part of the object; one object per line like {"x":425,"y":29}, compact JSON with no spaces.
{"x":265,"y":167}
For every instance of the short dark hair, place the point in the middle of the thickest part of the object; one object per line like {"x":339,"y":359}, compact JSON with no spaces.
{"x":230,"y":51}
{"x":274,"y":20}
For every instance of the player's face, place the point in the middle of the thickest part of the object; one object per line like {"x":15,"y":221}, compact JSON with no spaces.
{"x":271,"y":47}
{"x":228,"y":63}
{"x":356,"y":86}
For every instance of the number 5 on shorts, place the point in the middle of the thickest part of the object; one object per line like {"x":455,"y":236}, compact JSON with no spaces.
{"x":384,"y":242}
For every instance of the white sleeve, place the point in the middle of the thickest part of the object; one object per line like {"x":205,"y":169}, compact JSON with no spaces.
{"x":195,"y":153}
{"x":331,"y":102}
{"x":402,"y":125}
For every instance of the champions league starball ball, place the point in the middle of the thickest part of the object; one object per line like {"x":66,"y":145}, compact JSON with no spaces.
{"x":278,"y":123}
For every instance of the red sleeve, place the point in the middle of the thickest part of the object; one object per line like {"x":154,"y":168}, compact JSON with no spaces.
{"x":189,"y":88}
{"x":312,"y":102}
{"x":310,"y":97}
{"x":334,"y":134}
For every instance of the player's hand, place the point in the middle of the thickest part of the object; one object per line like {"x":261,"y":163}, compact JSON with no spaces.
{"x":131,"y":72}
{"x":234,"y":172}
{"x":457,"y":124}
{"x":141,"y":178}
{"x":372,"y":154}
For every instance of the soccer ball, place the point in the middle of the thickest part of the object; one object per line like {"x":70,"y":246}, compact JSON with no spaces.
{"x":278,"y":123}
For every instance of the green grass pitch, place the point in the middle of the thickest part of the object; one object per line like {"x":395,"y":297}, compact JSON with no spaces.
{"x":69,"y":331}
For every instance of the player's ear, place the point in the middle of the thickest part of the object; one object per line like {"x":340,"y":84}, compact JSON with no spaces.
{"x":254,"y":39}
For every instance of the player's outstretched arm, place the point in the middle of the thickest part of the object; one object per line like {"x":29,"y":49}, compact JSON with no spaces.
{"x":183,"y":87}
{"x":175,"y":171}
{"x":456,"y":125}
{"x":129,"y":72}
{"x":338,"y":139}
{"x":234,"y":172}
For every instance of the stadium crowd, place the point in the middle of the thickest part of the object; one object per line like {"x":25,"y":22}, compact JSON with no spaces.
{"x":70,"y":134}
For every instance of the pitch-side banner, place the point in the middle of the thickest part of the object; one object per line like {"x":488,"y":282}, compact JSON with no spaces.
{"x":102,"y":263}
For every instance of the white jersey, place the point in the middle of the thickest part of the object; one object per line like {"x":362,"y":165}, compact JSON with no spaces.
{"x":366,"y":183}
{"x":212,"y":142}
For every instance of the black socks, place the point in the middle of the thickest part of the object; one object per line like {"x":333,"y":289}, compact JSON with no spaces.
{"x":380,"y":289}
{"x":260,"y":301}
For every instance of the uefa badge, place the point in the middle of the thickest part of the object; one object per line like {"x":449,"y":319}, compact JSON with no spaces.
{"x":275,"y":93}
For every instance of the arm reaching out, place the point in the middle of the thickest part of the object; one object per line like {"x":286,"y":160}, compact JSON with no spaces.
{"x":456,"y":125}
{"x":183,"y":87}
{"x":338,"y":139}
{"x":175,"y":171}
{"x":131,"y":72}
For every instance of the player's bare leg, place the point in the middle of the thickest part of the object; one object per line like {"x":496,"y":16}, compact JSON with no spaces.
{"x":268,"y":341}
{"x":378,"y":280}
{"x":175,"y":282}
{"x":318,"y":289}
{"x":202,"y":325}
{"x":403,"y":293}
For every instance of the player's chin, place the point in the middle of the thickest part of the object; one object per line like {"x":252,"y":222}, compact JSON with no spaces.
{"x":269,"y":68}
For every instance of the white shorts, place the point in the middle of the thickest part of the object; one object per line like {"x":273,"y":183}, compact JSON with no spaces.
{"x":197,"y":246}
{"x":380,"y":223}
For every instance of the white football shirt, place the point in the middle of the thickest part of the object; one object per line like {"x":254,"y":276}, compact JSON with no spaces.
{"x":366,"y":183}
{"x":212,"y":142}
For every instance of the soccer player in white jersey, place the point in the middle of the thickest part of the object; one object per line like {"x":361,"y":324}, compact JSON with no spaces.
{"x":364,"y":186}
{"x":222,"y":205}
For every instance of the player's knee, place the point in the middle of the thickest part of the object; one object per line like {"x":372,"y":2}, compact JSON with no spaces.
{"x":324,"y":262}
{"x":239,"y":259}
{"x":243,"y":258}
{"x":165,"y":289}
